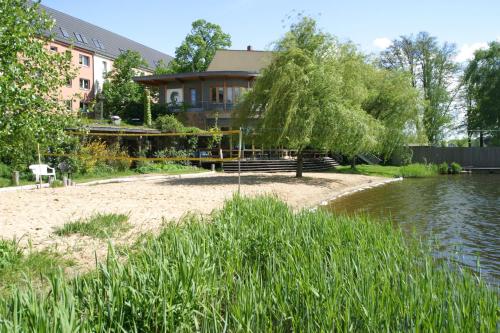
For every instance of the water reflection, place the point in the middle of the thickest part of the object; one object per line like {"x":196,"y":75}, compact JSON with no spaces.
{"x":461,"y":212}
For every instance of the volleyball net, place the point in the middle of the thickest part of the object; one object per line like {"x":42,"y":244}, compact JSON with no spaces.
{"x":215,"y":150}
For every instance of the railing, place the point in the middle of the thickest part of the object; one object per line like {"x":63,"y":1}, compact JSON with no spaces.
{"x":201,"y":106}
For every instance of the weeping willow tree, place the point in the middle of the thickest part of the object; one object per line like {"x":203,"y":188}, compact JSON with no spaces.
{"x":311,"y":96}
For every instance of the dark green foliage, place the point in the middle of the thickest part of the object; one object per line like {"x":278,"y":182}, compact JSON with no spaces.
{"x":259,"y":267}
{"x":98,"y":225}
{"x":443,"y":168}
{"x":198,"y":49}
{"x":5,"y":171}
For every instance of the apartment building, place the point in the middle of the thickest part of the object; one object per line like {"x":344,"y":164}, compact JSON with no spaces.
{"x":93,"y":51}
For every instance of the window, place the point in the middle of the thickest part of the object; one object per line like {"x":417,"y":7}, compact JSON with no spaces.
{"x":98,"y":44}
{"x":104,"y":68}
{"x":84,"y":84}
{"x":229,"y":98}
{"x":83,"y":106}
{"x":217,"y":94}
{"x":84,"y":60}
{"x":53,"y":48}
{"x":192,"y":93}
{"x":81,"y":38}
{"x":64,"y":32}
{"x":69,"y":105}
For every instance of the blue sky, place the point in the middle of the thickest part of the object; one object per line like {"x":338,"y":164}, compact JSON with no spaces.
{"x":163,"y":24}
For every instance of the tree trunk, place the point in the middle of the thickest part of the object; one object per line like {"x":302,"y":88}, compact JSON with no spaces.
{"x":481,"y":139}
{"x":353,"y":163}
{"x":300,"y":164}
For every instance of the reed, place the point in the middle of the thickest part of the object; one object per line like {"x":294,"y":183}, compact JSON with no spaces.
{"x":258,"y":266}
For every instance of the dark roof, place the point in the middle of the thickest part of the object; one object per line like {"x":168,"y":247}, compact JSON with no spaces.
{"x":240,"y":60}
{"x":159,"y":79}
{"x":99,"y":40}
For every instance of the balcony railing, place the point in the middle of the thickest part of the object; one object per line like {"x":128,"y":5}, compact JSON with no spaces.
{"x":201,"y":106}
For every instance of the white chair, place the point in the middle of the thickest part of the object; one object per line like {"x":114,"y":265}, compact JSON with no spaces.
{"x":40,"y":170}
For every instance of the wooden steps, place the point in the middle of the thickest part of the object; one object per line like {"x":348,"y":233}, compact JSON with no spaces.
{"x":280,"y":165}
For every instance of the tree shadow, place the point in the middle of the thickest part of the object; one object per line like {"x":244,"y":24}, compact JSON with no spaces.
{"x":253,"y":179}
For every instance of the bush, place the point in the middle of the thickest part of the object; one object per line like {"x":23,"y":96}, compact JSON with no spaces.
{"x":5,"y":171}
{"x":259,"y":267}
{"x":163,"y":167}
{"x":169,"y":123}
{"x":418,"y":170}
{"x":93,"y":158}
{"x":455,"y":168}
{"x":443,"y":168}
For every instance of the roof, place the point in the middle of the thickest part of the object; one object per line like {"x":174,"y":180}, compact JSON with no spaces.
{"x":180,"y":77}
{"x":72,"y":30}
{"x":240,"y":60}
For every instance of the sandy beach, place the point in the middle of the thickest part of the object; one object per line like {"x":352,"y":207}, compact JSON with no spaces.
{"x":31,"y":216}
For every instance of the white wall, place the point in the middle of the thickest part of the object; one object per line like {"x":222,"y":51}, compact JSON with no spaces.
{"x":99,"y":71}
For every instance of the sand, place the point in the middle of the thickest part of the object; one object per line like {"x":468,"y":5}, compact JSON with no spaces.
{"x":31,"y":216}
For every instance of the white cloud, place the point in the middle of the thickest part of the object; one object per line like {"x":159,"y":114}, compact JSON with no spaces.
{"x":466,"y":51}
{"x":382,"y":43}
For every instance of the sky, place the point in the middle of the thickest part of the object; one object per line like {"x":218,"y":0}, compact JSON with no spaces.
{"x":163,"y":24}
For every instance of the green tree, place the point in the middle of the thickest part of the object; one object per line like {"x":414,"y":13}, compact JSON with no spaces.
{"x":122,"y":96}
{"x":162,"y":68}
{"x":482,"y":86}
{"x":311,"y":96}
{"x":31,"y":76}
{"x":395,"y":102}
{"x":198,"y":49}
{"x":433,"y":72}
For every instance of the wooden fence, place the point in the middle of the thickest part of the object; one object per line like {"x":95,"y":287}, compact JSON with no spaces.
{"x":477,"y":157}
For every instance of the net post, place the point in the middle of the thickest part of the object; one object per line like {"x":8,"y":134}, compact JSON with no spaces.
{"x":240,"y":139}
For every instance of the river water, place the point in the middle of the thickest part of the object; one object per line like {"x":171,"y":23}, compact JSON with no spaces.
{"x":461,"y":212}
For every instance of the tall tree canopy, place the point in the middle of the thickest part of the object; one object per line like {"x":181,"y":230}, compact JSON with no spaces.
{"x":122,"y":95}
{"x":482,"y":86}
{"x":433,"y":71}
{"x":309,"y":96}
{"x":198,"y":49}
{"x":30,"y":80}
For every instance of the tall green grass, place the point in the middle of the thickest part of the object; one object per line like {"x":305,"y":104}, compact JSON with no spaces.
{"x":259,"y":267}
{"x":32,"y":265}
{"x":418,"y":170}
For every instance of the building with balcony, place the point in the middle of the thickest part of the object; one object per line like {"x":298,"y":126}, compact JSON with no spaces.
{"x":210,"y":96}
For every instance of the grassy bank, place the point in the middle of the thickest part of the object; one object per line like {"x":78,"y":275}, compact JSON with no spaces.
{"x":408,"y":171}
{"x":166,"y":169}
{"x":260,"y":267}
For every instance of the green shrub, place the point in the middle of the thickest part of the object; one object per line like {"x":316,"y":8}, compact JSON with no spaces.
{"x":443,"y":168}
{"x":56,"y":183}
{"x":455,"y":168}
{"x":163,"y":168}
{"x":418,"y":170}
{"x":169,"y":123}
{"x":258,"y":267}
{"x":5,"y":171}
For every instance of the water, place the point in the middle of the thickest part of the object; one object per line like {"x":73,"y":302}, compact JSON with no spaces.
{"x":461,"y":212}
